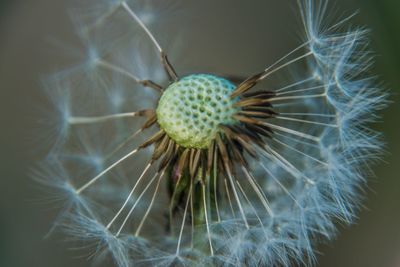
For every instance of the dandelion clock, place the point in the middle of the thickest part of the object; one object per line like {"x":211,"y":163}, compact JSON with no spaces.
{"x":158,"y":168}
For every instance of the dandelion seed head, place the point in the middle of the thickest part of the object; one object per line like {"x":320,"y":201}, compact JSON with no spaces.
{"x":159,"y":169}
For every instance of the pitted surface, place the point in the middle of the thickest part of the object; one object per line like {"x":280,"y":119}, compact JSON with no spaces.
{"x":191,"y":109}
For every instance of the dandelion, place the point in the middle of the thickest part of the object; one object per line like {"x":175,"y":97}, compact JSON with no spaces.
{"x":159,"y":169}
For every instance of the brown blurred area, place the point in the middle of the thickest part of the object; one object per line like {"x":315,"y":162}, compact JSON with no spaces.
{"x":246,"y":36}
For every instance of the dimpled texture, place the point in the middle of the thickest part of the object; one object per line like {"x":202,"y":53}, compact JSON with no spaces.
{"x":191,"y":109}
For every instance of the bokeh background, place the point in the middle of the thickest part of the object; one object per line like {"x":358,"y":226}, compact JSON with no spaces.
{"x":223,"y":36}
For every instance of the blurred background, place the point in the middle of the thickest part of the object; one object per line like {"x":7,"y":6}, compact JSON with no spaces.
{"x":216,"y":36}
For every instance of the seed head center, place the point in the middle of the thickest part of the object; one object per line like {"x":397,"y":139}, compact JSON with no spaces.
{"x":191,"y":109}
